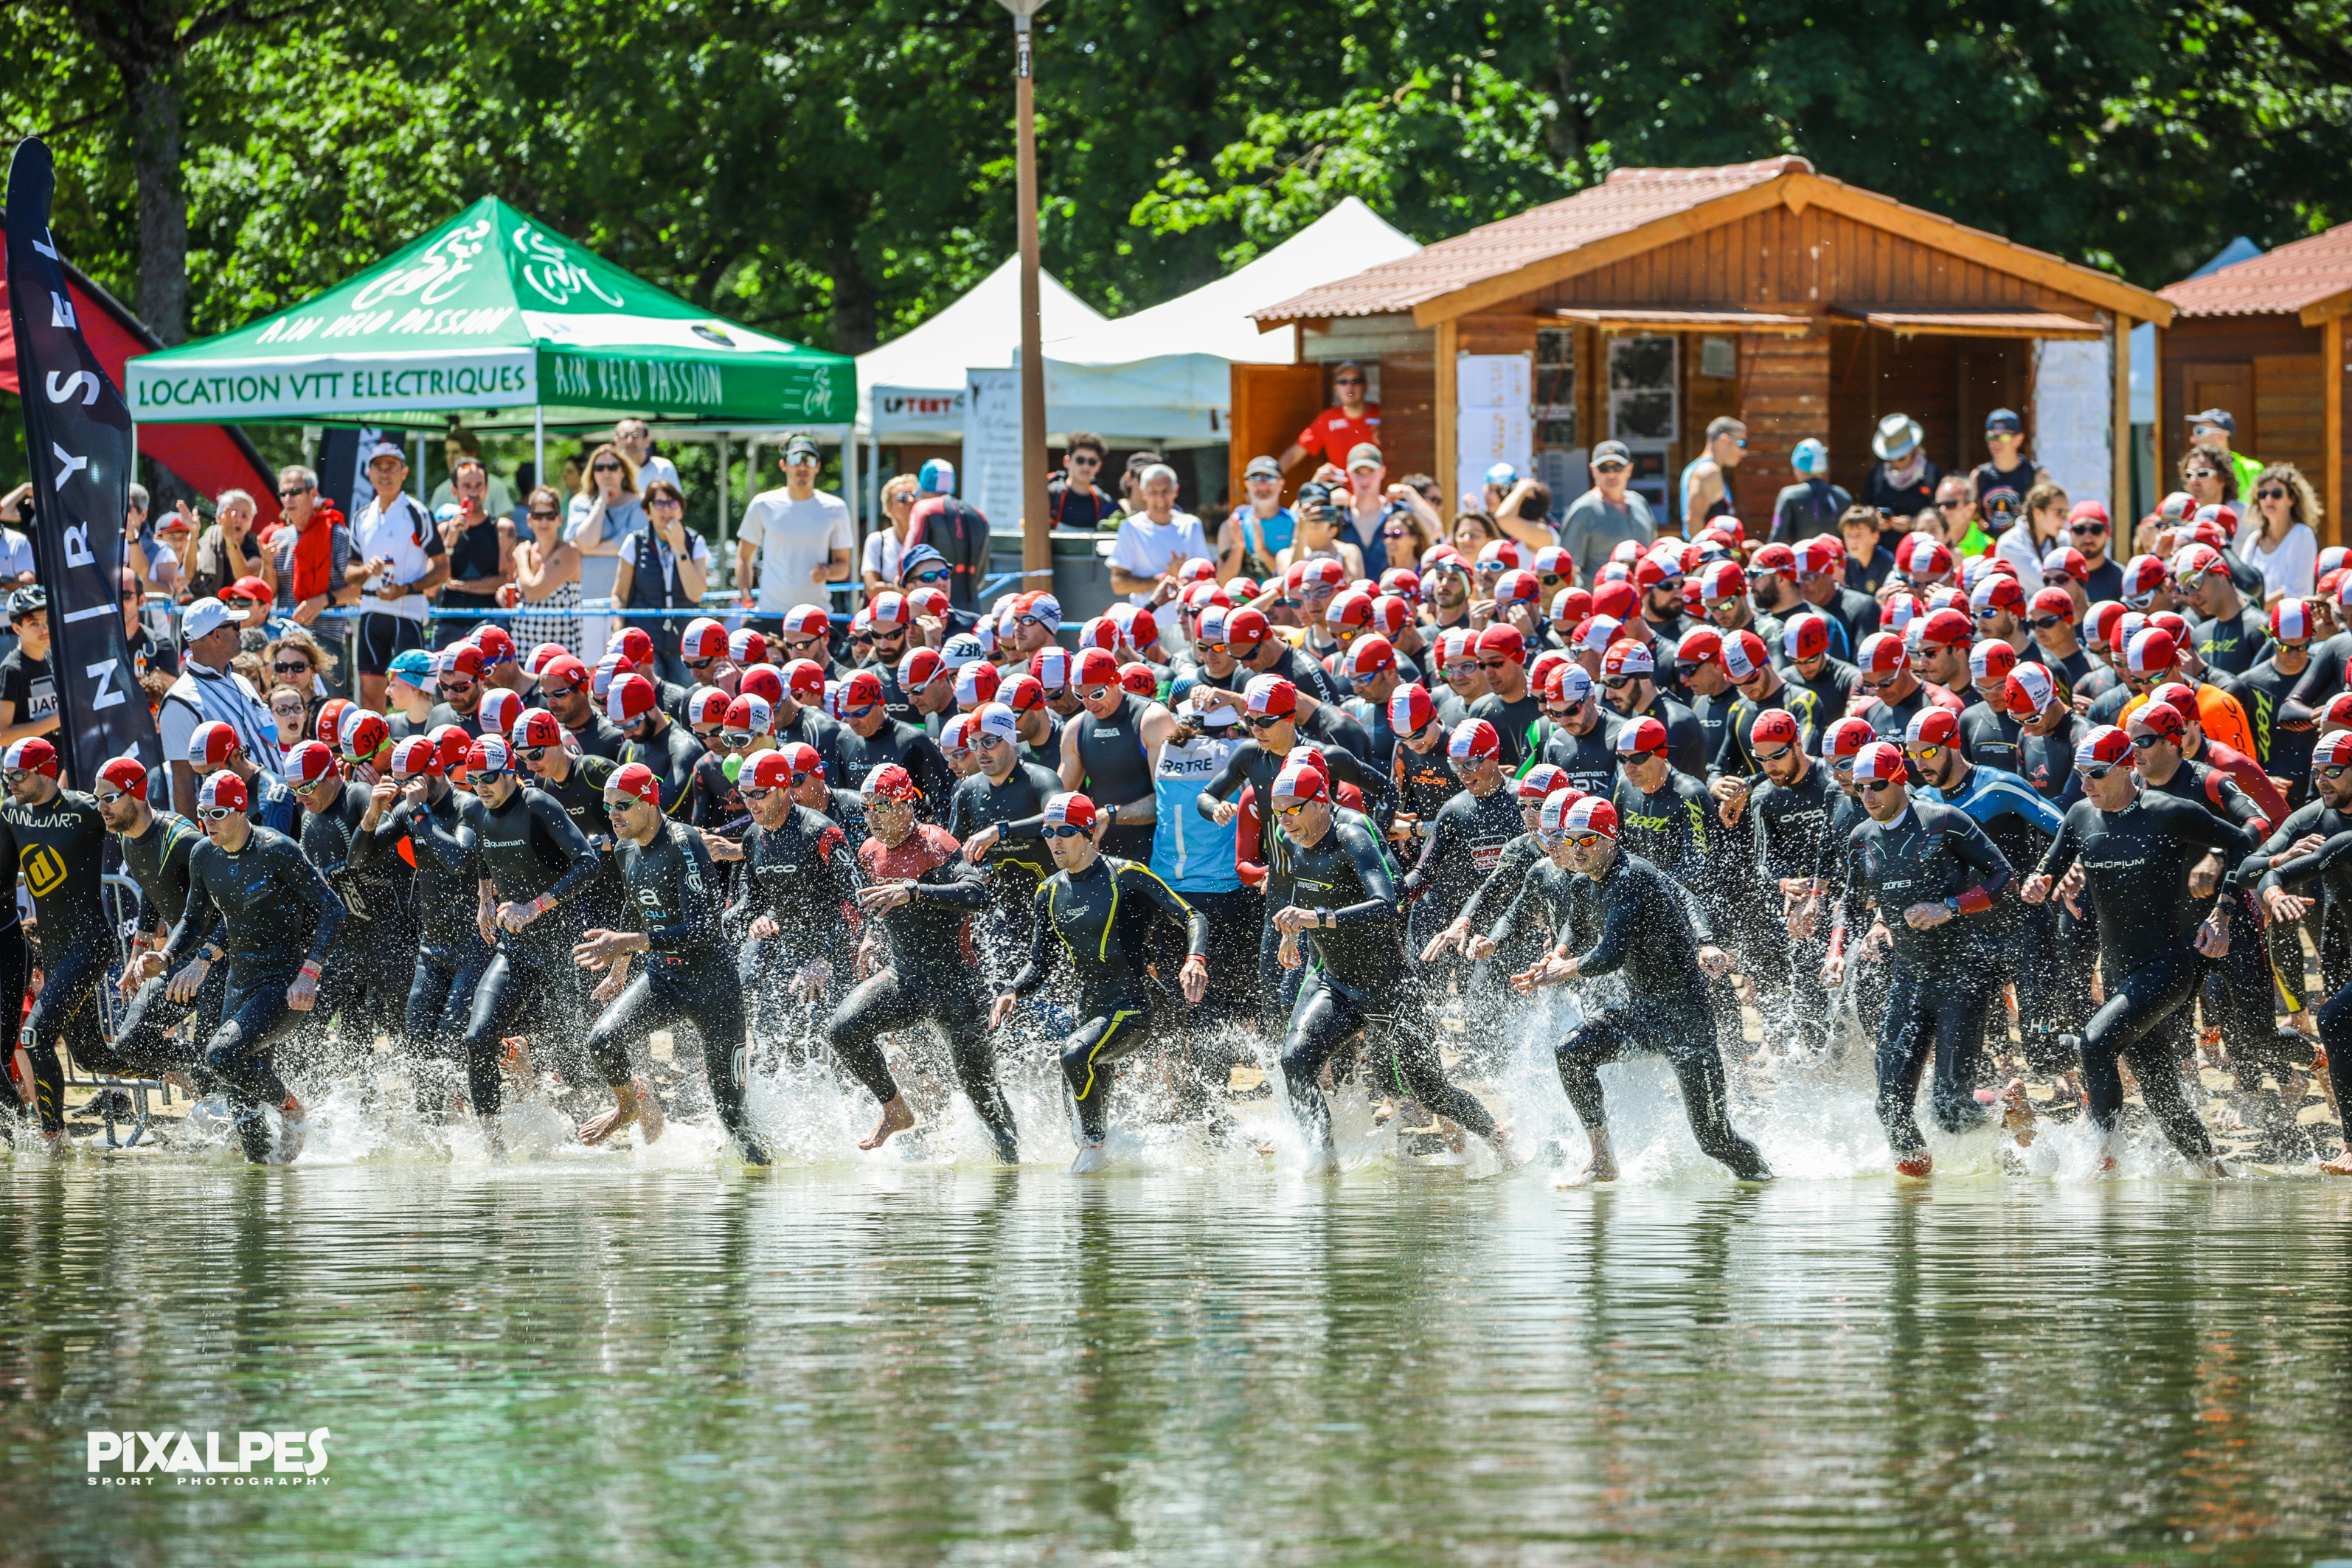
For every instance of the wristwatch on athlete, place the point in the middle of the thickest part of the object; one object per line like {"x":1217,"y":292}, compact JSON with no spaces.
{"x":1953,"y":905}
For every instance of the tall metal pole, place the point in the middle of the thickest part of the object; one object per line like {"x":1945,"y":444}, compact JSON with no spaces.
{"x":1036,"y":545}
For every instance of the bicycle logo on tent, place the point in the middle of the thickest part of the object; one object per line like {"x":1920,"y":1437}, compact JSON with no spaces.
{"x":433,"y":276}
{"x":551,"y":272}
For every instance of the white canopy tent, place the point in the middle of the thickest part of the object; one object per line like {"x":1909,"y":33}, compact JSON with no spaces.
{"x":1163,"y":374}
{"x":914,"y":383}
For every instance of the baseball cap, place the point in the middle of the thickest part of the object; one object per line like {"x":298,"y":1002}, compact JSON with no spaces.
{"x":204,"y":617}
{"x":2217,"y":418}
{"x":1262,"y":469}
{"x":1364,"y":454}
{"x":2004,"y":419}
{"x":1611,"y":452}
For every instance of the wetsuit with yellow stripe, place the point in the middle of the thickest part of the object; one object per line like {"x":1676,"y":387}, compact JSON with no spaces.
{"x":1102,"y":918}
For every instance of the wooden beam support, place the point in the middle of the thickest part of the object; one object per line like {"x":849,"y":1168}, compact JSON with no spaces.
{"x":1449,"y":416}
{"x":2331,"y":383}
{"x":2120,"y":500}
{"x":2156,"y":436}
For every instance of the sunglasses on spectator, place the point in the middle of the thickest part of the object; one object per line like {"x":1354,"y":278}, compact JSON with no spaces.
{"x":1084,"y":460}
{"x":1348,"y":381}
{"x":669,"y":503}
{"x":605,"y":467}
{"x":1876,"y":787}
{"x":292,"y":490}
{"x":1067,"y":830}
{"x":1951,"y":505}
{"x":2198,"y":474}
{"x":291,"y":667}
{"x":539,"y":515}
{"x":1612,"y":467}
{"x":2270,"y":492}
{"x":1394,"y":532}
{"x":937,"y":574}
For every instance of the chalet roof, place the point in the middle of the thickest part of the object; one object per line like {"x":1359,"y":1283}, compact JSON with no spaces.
{"x":2291,"y":279}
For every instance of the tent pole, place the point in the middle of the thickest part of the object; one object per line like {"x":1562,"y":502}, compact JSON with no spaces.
{"x":849,"y":480}
{"x":423,"y":490}
{"x":538,"y":444}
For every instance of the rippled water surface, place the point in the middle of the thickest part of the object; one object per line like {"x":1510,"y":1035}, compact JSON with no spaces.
{"x":595,"y":1363}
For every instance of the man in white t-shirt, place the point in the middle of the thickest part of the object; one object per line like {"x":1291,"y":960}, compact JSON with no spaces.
{"x":637,"y":444}
{"x":399,"y":560}
{"x":1152,"y":544}
{"x":799,"y":536}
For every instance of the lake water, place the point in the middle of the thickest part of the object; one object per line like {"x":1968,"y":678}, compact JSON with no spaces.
{"x":612,"y":1360}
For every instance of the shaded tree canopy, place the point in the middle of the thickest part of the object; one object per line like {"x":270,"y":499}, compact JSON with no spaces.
{"x":837,"y":173}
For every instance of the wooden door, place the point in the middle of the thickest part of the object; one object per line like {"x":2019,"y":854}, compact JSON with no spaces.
{"x":2204,"y":384}
{"x":1272,"y":403}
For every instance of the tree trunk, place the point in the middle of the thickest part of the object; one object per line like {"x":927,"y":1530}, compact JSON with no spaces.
{"x":853,"y":301}
{"x":162,"y":205}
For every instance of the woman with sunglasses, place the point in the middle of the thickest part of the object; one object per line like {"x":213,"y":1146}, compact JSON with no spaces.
{"x":664,"y":567}
{"x":2287,"y":547}
{"x":547,"y":577}
{"x":290,"y":710}
{"x":878,"y":560}
{"x":2208,"y":476}
{"x":606,"y":511}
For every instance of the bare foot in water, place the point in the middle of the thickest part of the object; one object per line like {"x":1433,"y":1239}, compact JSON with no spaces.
{"x":604,"y":1123}
{"x":1507,"y":1154}
{"x":650,"y":1120}
{"x":895,"y":1117}
{"x":2341,"y":1165}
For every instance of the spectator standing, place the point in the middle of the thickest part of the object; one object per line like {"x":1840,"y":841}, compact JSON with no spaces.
{"x":1957,"y":523}
{"x":547,"y":577}
{"x":667,"y":567}
{"x":1338,"y":430}
{"x":1607,"y":515}
{"x":1868,"y":563}
{"x":1812,"y":505}
{"x":879,"y":568}
{"x":2285,"y":548}
{"x":28,"y":692}
{"x":401,"y":561}
{"x":637,"y":444}
{"x":227,"y":550}
{"x":1368,"y":474}
{"x":174,"y":532}
{"x":1153,"y":543}
{"x":458,"y":446}
{"x":1904,"y":481}
{"x":2217,"y":428}
{"x":957,"y":530}
{"x":607,"y":509}
{"x":1523,"y":514}
{"x":157,"y":564}
{"x":1705,"y":486}
{"x":312,"y":551}
{"x":209,"y":689}
{"x":1072,"y":499}
{"x":2210,"y":475}
{"x":480,"y":540}
{"x":792,"y":541}
{"x":1319,"y":535}
{"x":1251,"y":542}
{"x":154,"y":664}
{"x":1998,"y":487}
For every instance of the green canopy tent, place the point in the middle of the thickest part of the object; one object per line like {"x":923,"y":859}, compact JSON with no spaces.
{"x":497,"y":320}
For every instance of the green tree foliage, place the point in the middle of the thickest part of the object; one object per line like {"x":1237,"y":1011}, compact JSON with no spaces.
{"x":834,"y":172}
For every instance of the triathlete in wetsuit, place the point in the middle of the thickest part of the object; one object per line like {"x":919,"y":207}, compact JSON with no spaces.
{"x":921,"y":895}
{"x":413,"y":805}
{"x":1581,"y":731}
{"x":368,"y":981}
{"x":1107,"y":752}
{"x":1803,"y":864}
{"x":1342,"y":901}
{"x":1463,"y":844}
{"x":795,"y":890}
{"x":1927,"y":868}
{"x":1099,"y":909}
{"x":1652,"y":930}
{"x":2329,"y":863}
{"x":252,"y":899}
{"x":997,"y":815}
{"x":532,"y":862}
{"x":666,"y":749}
{"x":2137,"y":849}
{"x":56,"y":839}
{"x":675,"y":903}
{"x":155,"y":847}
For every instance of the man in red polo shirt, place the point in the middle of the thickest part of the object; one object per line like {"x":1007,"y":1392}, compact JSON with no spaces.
{"x":1336,"y":432}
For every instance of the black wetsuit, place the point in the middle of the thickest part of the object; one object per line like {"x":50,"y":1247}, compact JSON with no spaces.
{"x":1101,"y":917}
{"x":900,"y":743}
{"x":145,"y":1042}
{"x":1464,"y":847}
{"x":1589,"y":760}
{"x":671,"y":756}
{"x":1938,"y":979}
{"x":1018,"y":862}
{"x":1832,"y":686}
{"x":1794,"y":840}
{"x":1651,"y":929}
{"x":270,"y":912}
{"x":1685,"y":736}
{"x":2137,"y":861}
{"x":375,"y":961}
{"x":1118,"y":771}
{"x":933,"y":976}
{"x":527,"y":847}
{"x":598,"y":738}
{"x":1990,"y":737}
{"x":1513,"y":723}
{"x":58,"y":848}
{"x":811,"y":728}
{"x":1362,"y":985}
{"x":2331,"y":865}
{"x":803,"y":875}
{"x":1736,"y":758}
{"x":2285,"y":734}
{"x":450,"y":953}
{"x":687,"y":977}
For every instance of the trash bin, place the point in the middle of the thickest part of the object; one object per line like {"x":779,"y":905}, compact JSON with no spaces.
{"x":1082,"y":573}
